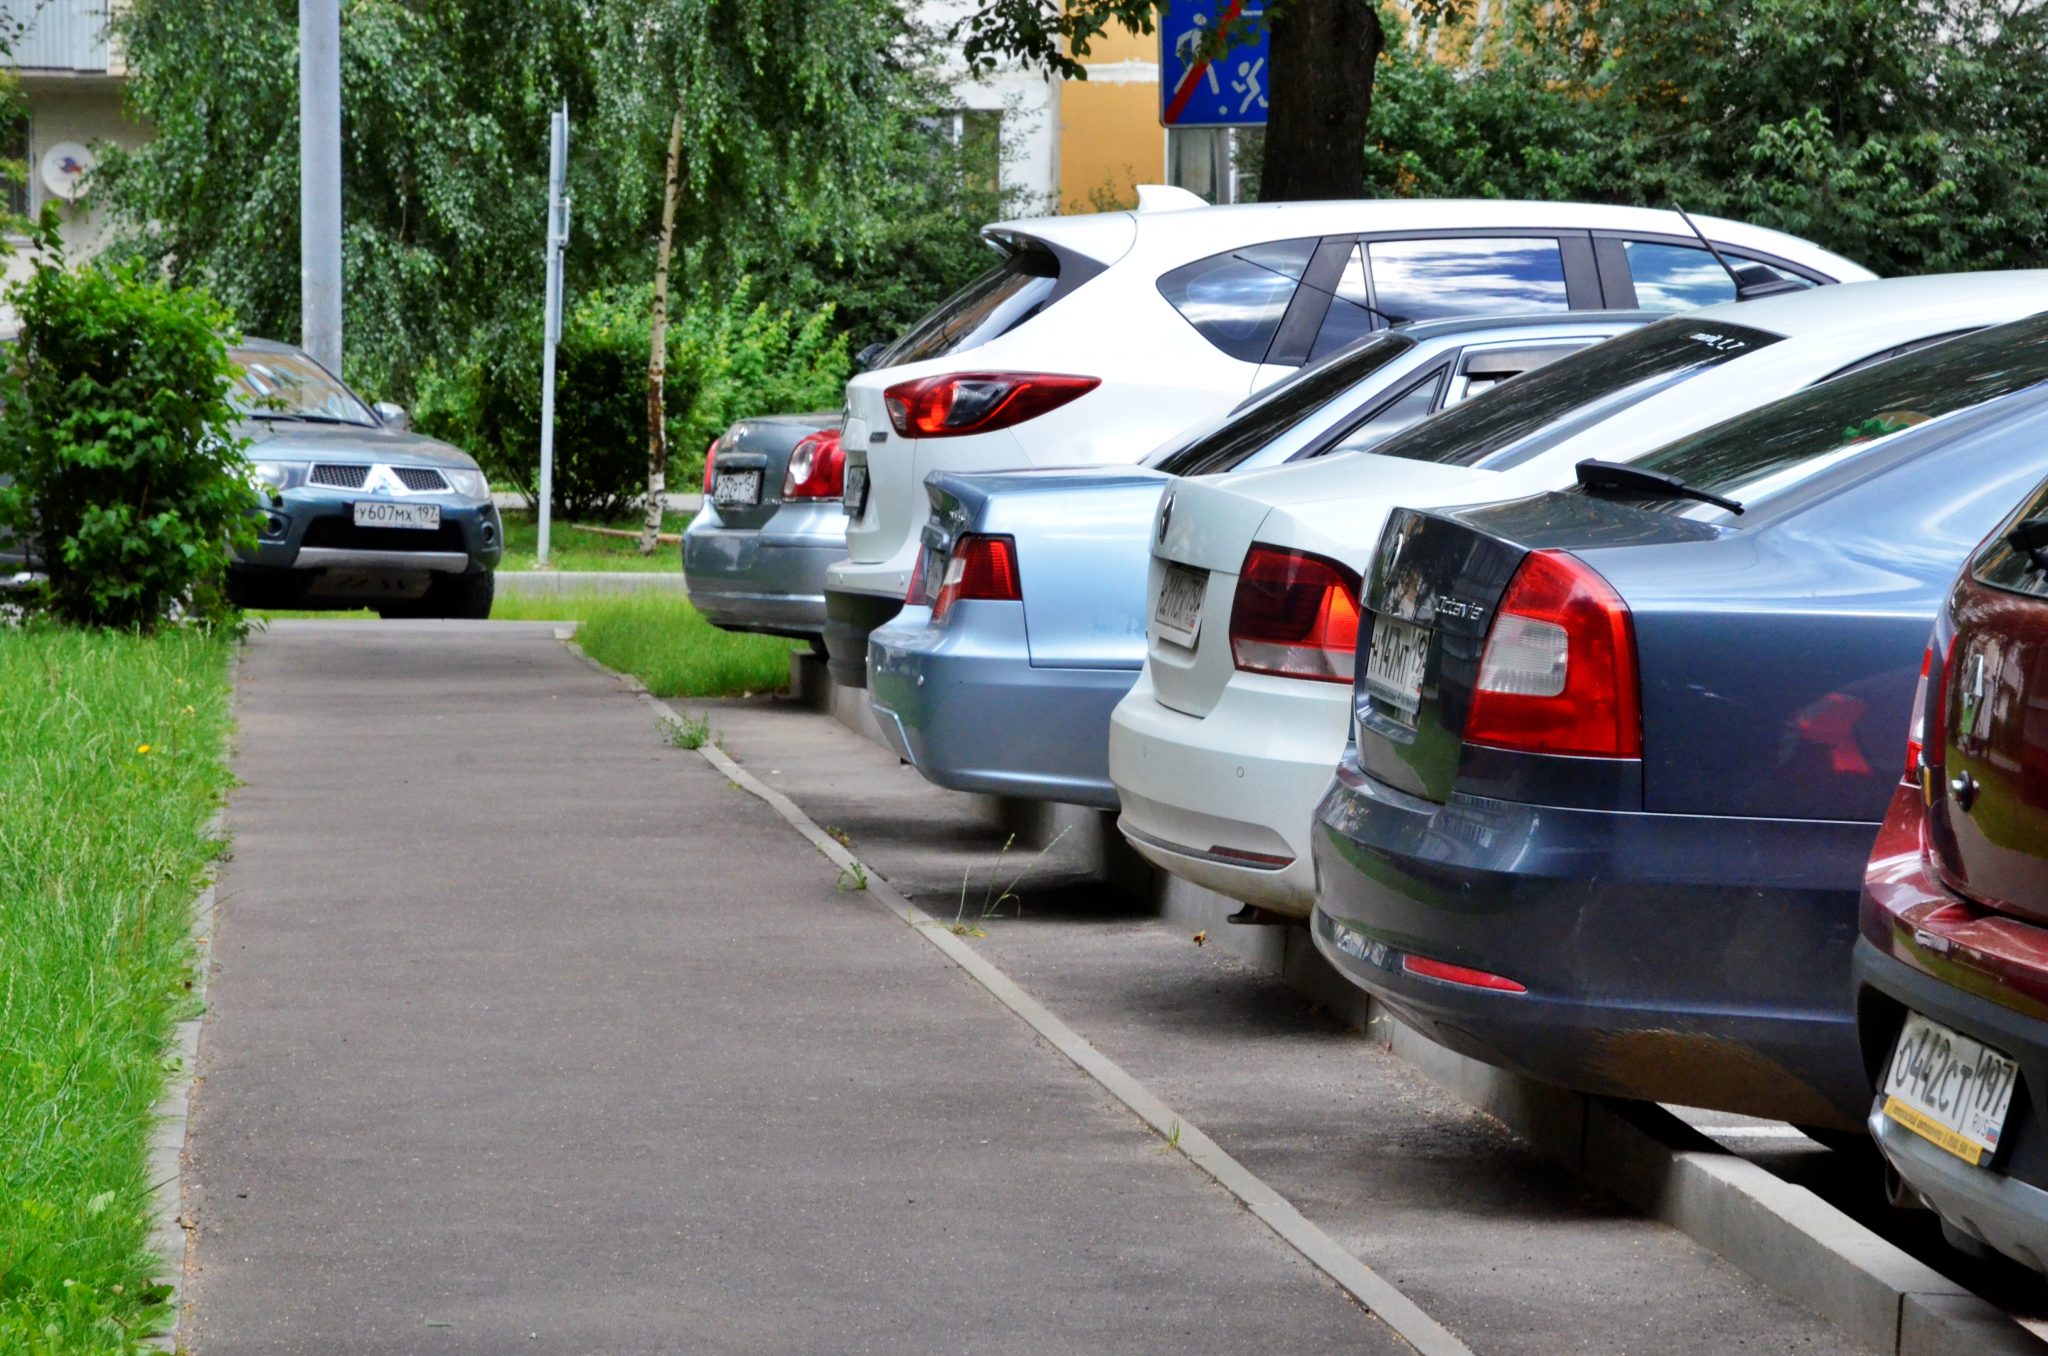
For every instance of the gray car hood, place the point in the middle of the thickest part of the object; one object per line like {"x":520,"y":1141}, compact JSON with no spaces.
{"x":287,"y":440}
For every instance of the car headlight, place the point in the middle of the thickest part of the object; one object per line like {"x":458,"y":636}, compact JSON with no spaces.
{"x":274,"y":475}
{"x":469,"y":484}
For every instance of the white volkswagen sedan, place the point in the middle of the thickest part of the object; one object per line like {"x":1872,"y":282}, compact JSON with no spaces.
{"x":1097,"y":337}
{"x":1229,"y":737}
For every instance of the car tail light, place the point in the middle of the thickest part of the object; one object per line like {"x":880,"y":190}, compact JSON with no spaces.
{"x":1295,"y":615}
{"x":914,"y":596}
{"x":981,"y":567}
{"x":1558,"y":674}
{"x":978,"y":402}
{"x":1916,"y":729}
{"x":1459,"y":974}
{"x":709,"y":453}
{"x":817,"y":467}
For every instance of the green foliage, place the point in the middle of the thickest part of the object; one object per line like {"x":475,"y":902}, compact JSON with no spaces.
{"x":115,"y":749}
{"x":1909,"y":137}
{"x":728,"y":357}
{"x":115,"y":428}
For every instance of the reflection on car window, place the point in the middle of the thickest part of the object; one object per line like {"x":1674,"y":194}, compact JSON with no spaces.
{"x":1281,"y":408}
{"x":1410,"y":407}
{"x":1685,"y":277}
{"x":1426,"y":279}
{"x":1506,"y":426}
{"x":1771,"y":449}
{"x":1235,"y":299}
{"x":989,"y":307}
{"x":289,"y":385}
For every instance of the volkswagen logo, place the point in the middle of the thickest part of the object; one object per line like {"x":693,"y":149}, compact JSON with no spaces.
{"x":1165,"y":516}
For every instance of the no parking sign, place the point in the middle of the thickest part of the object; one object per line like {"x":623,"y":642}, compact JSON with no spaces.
{"x":1195,"y":91}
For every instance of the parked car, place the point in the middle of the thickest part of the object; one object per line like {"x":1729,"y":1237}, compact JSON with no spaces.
{"x":1952,"y":965}
{"x":754,"y":557}
{"x":1007,"y":689}
{"x":357,"y":511}
{"x":1099,"y":336}
{"x":1620,"y":751}
{"x":1225,"y":743}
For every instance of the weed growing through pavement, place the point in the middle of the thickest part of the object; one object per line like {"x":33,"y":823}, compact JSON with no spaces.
{"x":992,"y":900}
{"x":853,"y":879}
{"x":839,"y":836}
{"x":1173,"y":1136}
{"x":690,"y":732}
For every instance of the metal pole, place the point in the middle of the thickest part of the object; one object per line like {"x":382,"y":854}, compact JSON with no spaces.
{"x":558,"y":240}
{"x":320,"y":180}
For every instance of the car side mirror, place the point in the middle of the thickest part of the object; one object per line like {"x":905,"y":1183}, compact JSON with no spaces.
{"x":865,"y":359}
{"x":393,"y":416}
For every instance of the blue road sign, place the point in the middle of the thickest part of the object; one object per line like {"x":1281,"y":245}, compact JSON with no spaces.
{"x":1197,"y":92}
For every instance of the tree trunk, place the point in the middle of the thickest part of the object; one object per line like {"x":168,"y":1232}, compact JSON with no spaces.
{"x":657,"y":356}
{"x":1325,"y":54}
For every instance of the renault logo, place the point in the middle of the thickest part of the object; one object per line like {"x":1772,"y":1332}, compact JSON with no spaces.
{"x":1165,"y":516}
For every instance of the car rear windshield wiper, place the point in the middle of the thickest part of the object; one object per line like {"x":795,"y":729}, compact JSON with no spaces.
{"x":1595,"y":474}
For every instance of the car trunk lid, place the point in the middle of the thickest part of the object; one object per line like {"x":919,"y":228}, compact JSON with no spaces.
{"x":759,"y":447}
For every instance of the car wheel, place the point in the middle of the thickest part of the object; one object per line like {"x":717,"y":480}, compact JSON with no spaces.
{"x":459,"y":597}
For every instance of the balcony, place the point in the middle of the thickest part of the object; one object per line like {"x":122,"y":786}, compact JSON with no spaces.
{"x":61,"y":38}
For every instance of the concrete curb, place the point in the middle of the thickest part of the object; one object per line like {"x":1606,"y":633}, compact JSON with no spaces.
{"x":561,"y":583}
{"x":172,"y":1238}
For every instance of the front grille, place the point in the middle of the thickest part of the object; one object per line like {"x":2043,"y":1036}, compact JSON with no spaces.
{"x":419,"y":478}
{"x":341,"y":477}
{"x":343,"y":534}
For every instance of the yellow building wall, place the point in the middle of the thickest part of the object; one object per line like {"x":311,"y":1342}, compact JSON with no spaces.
{"x":1110,"y":137}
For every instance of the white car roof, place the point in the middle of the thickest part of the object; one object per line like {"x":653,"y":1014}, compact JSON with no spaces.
{"x":1196,"y":233}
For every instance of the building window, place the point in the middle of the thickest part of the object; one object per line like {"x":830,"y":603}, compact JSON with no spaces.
{"x":1217,"y":163}
{"x":14,"y":149}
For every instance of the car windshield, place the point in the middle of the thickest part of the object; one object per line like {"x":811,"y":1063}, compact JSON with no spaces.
{"x":290,"y":385}
{"x":1280,"y":408}
{"x":1505,"y":427}
{"x":1769,"y":450}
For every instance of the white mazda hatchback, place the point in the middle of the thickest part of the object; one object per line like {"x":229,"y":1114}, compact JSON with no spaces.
{"x":1096,"y":337}
{"x":1233,"y":730}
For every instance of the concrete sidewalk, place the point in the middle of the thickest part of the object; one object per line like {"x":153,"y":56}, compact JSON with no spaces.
{"x":531,"y":1033}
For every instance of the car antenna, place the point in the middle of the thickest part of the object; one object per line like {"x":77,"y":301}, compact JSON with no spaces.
{"x":1750,"y":283}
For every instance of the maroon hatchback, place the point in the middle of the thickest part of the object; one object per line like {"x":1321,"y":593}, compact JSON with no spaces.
{"x":1952,"y":965}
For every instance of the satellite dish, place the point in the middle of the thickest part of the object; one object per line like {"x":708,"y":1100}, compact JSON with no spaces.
{"x":65,"y":166}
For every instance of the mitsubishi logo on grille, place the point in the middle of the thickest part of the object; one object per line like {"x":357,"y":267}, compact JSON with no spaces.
{"x":1165,"y":516}
{"x":383,"y":480}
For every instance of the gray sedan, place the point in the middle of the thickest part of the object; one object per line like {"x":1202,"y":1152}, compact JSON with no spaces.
{"x":754,"y":558}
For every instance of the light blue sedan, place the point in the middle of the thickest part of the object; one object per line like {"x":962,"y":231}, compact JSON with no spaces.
{"x":985,"y":684}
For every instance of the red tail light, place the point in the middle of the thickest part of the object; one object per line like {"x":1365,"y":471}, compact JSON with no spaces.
{"x":978,"y":402}
{"x":981,"y":567}
{"x":914,"y":596}
{"x":817,"y":467}
{"x":1558,"y":674}
{"x":1460,"y":974}
{"x":1916,"y":729}
{"x":1295,"y":615}
{"x":709,"y":453}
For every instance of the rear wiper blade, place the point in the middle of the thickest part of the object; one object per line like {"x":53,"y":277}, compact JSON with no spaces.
{"x":1595,"y":474}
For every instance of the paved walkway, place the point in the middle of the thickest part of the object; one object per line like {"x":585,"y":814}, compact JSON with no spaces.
{"x":531,"y":1033}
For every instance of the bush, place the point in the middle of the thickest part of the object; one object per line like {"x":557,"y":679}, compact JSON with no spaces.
{"x":727,"y":359}
{"x":117,"y":433}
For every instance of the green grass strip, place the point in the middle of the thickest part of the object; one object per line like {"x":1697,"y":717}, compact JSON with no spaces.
{"x":570,"y":548}
{"x":660,"y":639}
{"x":112,"y":760}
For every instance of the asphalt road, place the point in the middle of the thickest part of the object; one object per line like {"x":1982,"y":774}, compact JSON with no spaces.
{"x":529,"y":1032}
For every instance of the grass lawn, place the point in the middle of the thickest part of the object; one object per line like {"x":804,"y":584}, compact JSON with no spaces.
{"x":114,"y":754}
{"x":571,"y":549}
{"x":663,"y":641}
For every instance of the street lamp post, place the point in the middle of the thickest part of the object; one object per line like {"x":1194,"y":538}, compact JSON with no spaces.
{"x":320,"y":180}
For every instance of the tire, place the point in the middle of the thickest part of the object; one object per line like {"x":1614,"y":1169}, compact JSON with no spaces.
{"x":460,"y":597}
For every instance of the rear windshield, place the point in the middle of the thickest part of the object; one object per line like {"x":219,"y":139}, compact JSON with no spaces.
{"x":1506,"y":427}
{"x":989,"y":307}
{"x":1773,"y":448}
{"x":1281,"y":407}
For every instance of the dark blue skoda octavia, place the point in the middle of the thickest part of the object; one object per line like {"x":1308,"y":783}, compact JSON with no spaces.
{"x":1619,"y":752}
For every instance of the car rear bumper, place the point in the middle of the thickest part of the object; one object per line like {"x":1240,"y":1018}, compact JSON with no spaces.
{"x":858,"y":599}
{"x":769,"y":579}
{"x":969,"y":711}
{"x":1244,"y":779}
{"x":1674,"y":958}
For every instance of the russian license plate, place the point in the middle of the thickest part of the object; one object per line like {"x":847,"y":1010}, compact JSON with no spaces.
{"x":856,"y":490}
{"x":1949,"y":1089}
{"x":1394,"y":661}
{"x":387,"y":513}
{"x":730,"y":488}
{"x":1178,"y":613}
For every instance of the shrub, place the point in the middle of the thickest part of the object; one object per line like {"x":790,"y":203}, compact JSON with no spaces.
{"x":117,"y":433}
